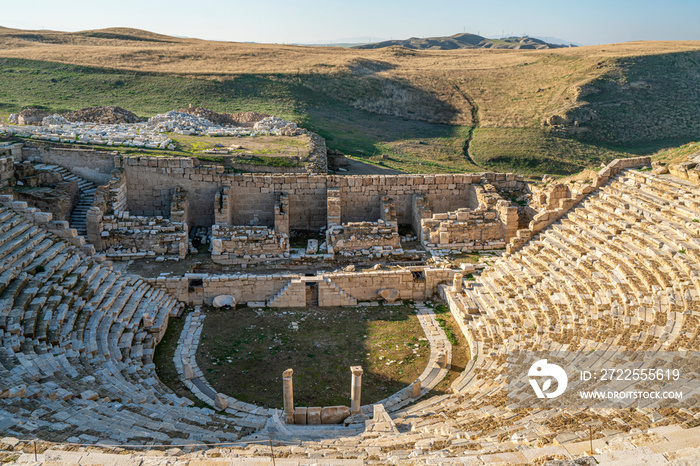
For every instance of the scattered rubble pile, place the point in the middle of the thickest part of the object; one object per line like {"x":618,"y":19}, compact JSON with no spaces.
{"x":274,"y":125}
{"x":127,"y":135}
{"x":107,"y":115}
{"x":28,"y":116}
{"x":244,"y":119}
{"x":117,"y":124}
{"x":192,"y":124}
{"x":173,"y":121}
{"x":54,"y":120}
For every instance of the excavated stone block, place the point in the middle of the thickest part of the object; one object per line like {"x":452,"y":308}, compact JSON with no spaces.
{"x":313,"y":416}
{"x":334,"y":414}
{"x":300,"y":416}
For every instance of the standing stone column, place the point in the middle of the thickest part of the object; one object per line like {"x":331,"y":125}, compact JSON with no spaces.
{"x":457,"y":282}
{"x":356,"y":389}
{"x":288,"y":394}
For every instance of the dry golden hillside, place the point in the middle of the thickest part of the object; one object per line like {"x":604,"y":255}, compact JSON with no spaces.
{"x":591,"y":93}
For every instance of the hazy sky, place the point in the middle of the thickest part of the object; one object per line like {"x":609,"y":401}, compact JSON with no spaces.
{"x":302,"y":21}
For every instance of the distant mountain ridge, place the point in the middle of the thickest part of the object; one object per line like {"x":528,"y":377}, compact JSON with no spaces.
{"x":465,"y":41}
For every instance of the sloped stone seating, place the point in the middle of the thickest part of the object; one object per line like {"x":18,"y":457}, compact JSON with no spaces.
{"x":610,"y":275}
{"x":76,"y":348}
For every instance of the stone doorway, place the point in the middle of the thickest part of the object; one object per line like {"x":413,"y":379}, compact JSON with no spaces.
{"x":312,"y":293}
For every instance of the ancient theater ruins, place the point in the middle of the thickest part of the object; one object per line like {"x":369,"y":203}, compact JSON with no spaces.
{"x":102,"y":250}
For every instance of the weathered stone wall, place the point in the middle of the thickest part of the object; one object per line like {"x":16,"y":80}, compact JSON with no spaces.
{"x":59,"y":200}
{"x":89,"y":164}
{"x":44,"y":189}
{"x":364,"y":286}
{"x":127,"y":237}
{"x":202,"y":288}
{"x":464,"y":229}
{"x":364,"y":238}
{"x":247,"y":245}
{"x":179,"y":207}
{"x":412,"y":285}
{"x":7,"y":173}
{"x":111,"y":228}
{"x":361,"y":195}
{"x":251,"y":197}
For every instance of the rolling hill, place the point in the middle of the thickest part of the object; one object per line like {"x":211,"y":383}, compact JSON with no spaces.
{"x":536,"y":111}
{"x":464,"y":41}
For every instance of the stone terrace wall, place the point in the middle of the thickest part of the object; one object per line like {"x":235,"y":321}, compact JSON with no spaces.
{"x":464,"y":229}
{"x":203,"y":288}
{"x":247,"y":245}
{"x":7,"y":173}
{"x":125,"y":237}
{"x":150,"y":182}
{"x":90,"y":164}
{"x":364,"y":239}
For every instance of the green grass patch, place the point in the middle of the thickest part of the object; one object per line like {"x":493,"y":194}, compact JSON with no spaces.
{"x":534,"y":151}
{"x":61,"y":87}
{"x":243,"y":352}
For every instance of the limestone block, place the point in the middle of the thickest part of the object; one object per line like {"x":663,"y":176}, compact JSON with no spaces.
{"x":389,"y":294}
{"x":416,"y":389}
{"x":300,"y":416}
{"x":224,"y":300}
{"x":221,"y":401}
{"x":334,"y":414}
{"x":313,"y":416}
{"x":43,"y":217}
{"x":187,"y":370}
{"x":89,"y":395}
{"x":312,"y":246}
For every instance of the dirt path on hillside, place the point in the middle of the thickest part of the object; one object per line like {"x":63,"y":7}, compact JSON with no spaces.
{"x":475,"y":123}
{"x":356,"y":167}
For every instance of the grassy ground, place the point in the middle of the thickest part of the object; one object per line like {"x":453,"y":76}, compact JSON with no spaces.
{"x":60,"y":87}
{"x":460,"y":348}
{"x":243,"y":352}
{"x":534,"y":151}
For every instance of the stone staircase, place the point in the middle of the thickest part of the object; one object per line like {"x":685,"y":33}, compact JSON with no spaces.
{"x":331,"y":295}
{"x":292,"y":295}
{"x":87,"y":194}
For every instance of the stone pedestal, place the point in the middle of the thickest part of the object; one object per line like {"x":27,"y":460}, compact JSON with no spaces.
{"x":356,"y":389}
{"x":457,"y":282}
{"x":415,"y":389}
{"x":288,"y":394}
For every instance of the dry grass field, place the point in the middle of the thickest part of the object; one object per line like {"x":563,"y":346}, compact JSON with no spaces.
{"x":613,"y":100}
